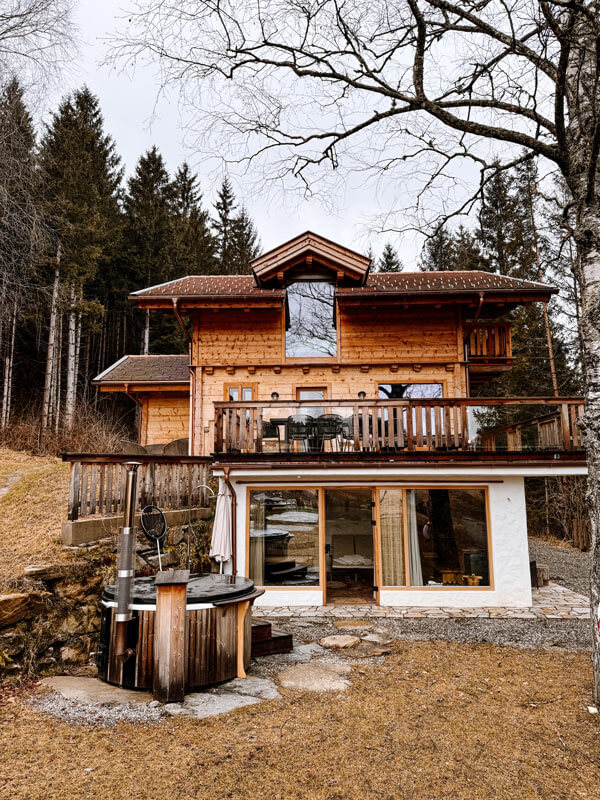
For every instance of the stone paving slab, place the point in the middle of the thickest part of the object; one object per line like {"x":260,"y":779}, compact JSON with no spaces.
{"x":550,"y":602}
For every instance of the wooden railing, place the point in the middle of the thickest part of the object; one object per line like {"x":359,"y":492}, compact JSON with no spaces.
{"x":472,"y":424}
{"x":489,"y":340}
{"x":97,"y":483}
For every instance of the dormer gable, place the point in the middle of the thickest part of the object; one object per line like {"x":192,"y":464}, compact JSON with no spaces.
{"x":310,"y":257}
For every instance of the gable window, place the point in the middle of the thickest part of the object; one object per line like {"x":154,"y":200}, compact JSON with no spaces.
{"x":310,"y":320}
{"x":408,"y":391}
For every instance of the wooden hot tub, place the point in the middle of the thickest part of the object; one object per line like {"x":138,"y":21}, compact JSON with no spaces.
{"x":218,"y":632}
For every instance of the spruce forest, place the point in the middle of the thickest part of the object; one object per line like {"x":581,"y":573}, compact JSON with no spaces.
{"x":77,"y":237}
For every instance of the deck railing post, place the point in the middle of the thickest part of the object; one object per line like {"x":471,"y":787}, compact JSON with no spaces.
{"x":564,"y":422}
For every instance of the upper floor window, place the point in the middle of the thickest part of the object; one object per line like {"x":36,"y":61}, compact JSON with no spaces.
{"x":310,"y":326}
{"x":408,"y":391}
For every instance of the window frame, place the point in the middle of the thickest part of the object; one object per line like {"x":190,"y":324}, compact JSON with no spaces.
{"x":441,"y":382}
{"x":240,"y":386}
{"x":450,"y":487}
{"x":375,"y":488}
{"x":336,"y":359}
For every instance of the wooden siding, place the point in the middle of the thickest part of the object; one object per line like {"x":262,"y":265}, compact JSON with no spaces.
{"x":371,"y":334}
{"x":165,"y":416}
{"x":233,"y":336}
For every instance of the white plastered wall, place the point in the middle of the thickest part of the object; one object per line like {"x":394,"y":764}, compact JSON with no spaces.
{"x":508,"y":531}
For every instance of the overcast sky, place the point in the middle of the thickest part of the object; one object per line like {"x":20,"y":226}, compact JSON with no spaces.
{"x":136,"y":122}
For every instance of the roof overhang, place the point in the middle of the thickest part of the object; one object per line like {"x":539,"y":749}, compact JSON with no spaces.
{"x":310,"y":256}
{"x":495,"y":302}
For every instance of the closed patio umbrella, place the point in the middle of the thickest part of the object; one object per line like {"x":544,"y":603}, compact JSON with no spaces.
{"x":220,"y":543}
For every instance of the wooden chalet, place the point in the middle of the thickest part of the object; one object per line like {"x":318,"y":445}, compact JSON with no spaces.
{"x":338,"y":405}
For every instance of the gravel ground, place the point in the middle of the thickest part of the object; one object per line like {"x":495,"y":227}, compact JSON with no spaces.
{"x":564,"y":634}
{"x":568,"y":567}
{"x":95,"y":715}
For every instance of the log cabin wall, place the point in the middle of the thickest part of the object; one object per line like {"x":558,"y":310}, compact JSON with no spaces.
{"x":238,"y":336}
{"x":375,"y":345}
{"x":383,"y":333}
{"x":165,"y":416}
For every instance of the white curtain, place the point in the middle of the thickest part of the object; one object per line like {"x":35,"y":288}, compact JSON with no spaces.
{"x":414,"y":552}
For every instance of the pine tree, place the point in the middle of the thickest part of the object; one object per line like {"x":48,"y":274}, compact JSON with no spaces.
{"x":223,"y":226}
{"x":499,"y":227}
{"x":81,"y":175}
{"x":466,"y":253}
{"x":148,"y":238}
{"x":389,"y":261}
{"x":193,"y":242}
{"x":21,"y":230}
{"x":244,"y":244}
{"x":438,"y":252}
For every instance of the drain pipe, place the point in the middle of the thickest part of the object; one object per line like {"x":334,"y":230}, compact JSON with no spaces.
{"x":125,"y":566}
{"x":226,"y":473}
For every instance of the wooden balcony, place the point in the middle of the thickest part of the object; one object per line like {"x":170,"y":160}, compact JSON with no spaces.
{"x":489,"y":351}
{"x":395,"y":428}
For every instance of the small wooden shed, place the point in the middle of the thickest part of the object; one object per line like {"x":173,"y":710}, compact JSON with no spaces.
{"x":160,"y":386}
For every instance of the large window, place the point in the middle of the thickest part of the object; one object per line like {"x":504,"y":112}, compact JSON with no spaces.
{"x":310,"y":324}
{"x":443,"y":531}
{"x":408,"y":391}
{"x":284,"y":537}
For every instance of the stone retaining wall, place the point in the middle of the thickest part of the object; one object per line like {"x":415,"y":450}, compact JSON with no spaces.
{"x":53,"y":616}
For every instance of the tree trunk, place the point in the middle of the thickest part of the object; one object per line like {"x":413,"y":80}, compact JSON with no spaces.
{"x":146,"y":335}
{"x":71,"y":362}
{"x":8,"y":371}
{"x":588,"y":244}
{"x":57,"y":401}
{"x":51,"y":351}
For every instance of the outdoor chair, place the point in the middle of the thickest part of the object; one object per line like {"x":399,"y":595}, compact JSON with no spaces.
{"x":347,"y":433}
{"x":270,"y":431}
{"x":328,"y":428}
{"x":299,"y":428}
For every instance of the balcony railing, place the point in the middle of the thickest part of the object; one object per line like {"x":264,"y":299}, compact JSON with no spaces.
{"x":97,"y":485}
{"x":488,"y":341}
{"x":511,"y":424}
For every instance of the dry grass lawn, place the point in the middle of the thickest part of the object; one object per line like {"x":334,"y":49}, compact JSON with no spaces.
{"x":32,"y":512}
{"x":437,"y":720}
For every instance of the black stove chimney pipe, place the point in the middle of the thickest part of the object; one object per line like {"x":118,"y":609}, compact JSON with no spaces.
{"x":125,"y":564}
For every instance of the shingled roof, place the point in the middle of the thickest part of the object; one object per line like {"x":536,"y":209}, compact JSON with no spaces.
{"x":209,"y":286}
{"x":442,"y":282}
{"x":146,"y":369}
{"x":199,"y":287}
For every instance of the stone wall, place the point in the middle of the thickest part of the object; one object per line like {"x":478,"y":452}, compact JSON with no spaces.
{"x":52,"y":617}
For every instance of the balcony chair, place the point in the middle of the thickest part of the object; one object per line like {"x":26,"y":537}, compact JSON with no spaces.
{"x":270,"y":431}
{"x":299,"y":428}
{"x":329,"y":428}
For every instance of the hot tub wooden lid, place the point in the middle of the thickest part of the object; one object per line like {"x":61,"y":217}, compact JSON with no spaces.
{"x":206,"y":588}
